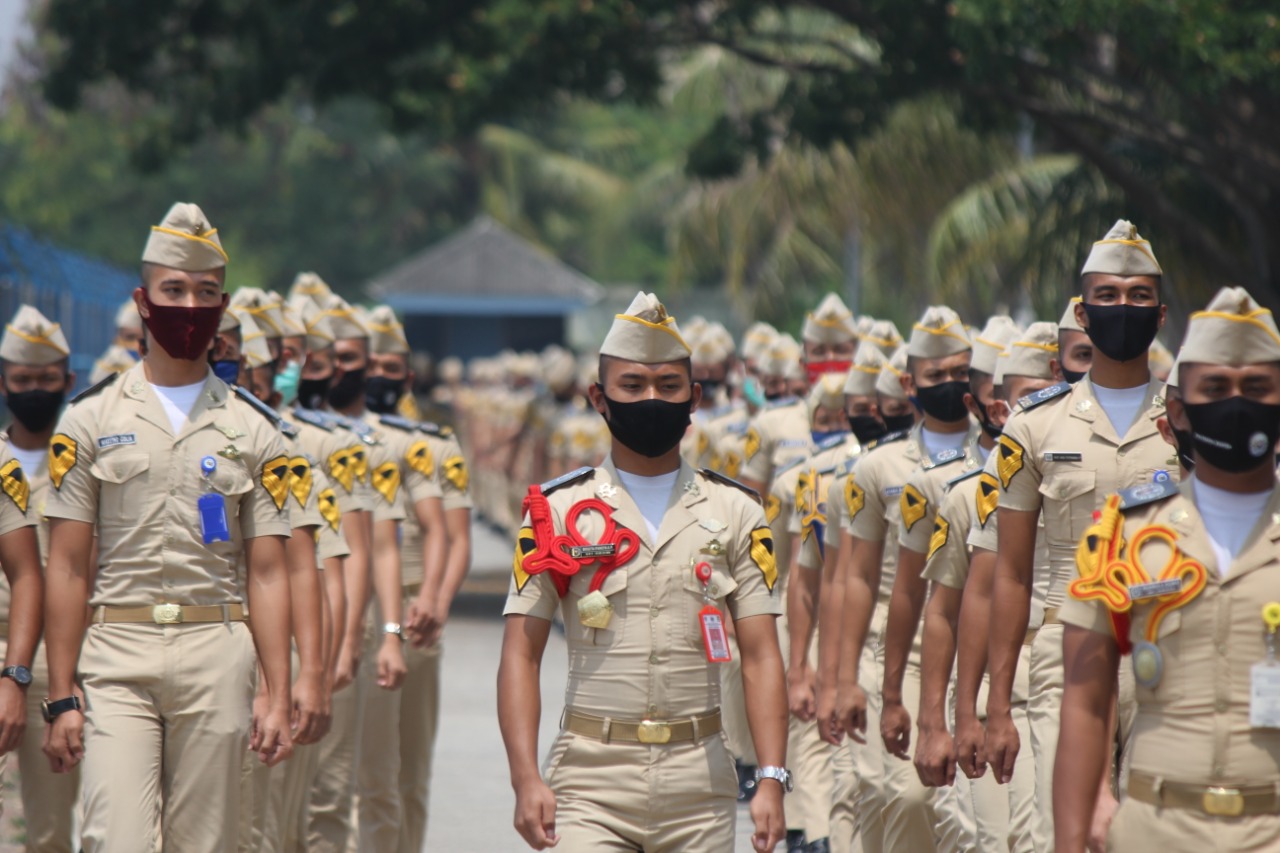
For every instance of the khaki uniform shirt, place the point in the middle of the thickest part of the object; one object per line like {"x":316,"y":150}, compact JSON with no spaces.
{"x":807,"y":521}
{"x":22,"y":507}
{"x":339,"y":452}
{"x":777,"y":435}
{"x":727,"y":433}
{"x":650,"y":661}
{"x":1062,"y":457}
{"x":1193,"y":725}
{"x":115,"y":462}
{"x":984,"y":533}
{"x":924,"y":490}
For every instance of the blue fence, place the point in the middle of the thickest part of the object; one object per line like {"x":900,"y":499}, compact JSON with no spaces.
{"x":78,"y":291}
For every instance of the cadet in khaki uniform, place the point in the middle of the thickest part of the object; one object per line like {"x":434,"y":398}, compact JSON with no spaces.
{"x":641,"y":763}
{"x":33,"y":353}
{"x":1002,"y":817}
{"x":183,"y":480}
{"x":1204,"y":773}
{"x":1075,"y":350}
{"x":1063,"y":453}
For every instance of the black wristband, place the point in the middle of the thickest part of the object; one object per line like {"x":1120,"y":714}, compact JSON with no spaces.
{"x":52,"y":709}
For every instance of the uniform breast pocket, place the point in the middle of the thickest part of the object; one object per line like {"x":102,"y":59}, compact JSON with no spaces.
{"x":234,"y":483}
{"x":614,"y":589}
{"x":1068,"y":505}
{"x":695,"y":593}
{"x":125,"y":491}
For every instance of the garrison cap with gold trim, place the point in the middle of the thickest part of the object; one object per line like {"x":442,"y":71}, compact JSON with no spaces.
{"x":115,"y":359}
{"x":782,"y":359}
{"x":127,"y":316}
{"x":1233,"y":329}
{"x":1159,"y":360}
{"x":831,"y":323}
{"x":758,"y":338}
{"x":827,"y":392}
{"x":867,"y":364}
{"x":1122,"y":252}
{"x":311,"y":286}
{"x":938,"y":334}
{"x":888,"y":382}
{"x":253,"y":341}
{"x":229,"y":321}
{"x":31,"y":339}
{"x":386,"y":334}
{"x":185,"y":241}
{"x":290,"y":320}
{"x":1029,"y":354}
{"x":883,"y":335}
{"x":344,"y":319}
{"x":645,"y":334}
{"x":318,"y":329}
{"x":264,"y":310}
{"x":999,"y":332}
{"x":559,"y":369}
{"x":1069,"y":323}
{"x":710,"y":351}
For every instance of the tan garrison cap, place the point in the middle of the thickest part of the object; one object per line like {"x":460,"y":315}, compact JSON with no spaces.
{"x":782,"y":358}
{"x":1159,"y":359}
{"x":1029,"y":353}
{"x":29,"y":338}
{"x":127,"y":317}
{"x":185,"y":241}
{"x":710,"y":350}
{"x":863,"y":325}
{"x":1068,"y":322}
{"x":938,"y":334}
{"x":694,"y":329}
{"x":386,"y":333}
{"x":884,"y":336}
{"x":991,"y":341}
{"x":230,"y":321}
{"x":832,"y":323}
{"x":645,"y":334}
{"x":559,"y":369}
{"x":290,"y":319}
{"x":265,"y":311}
{"x":827,"y":392}
{"x":1232,"y":330}
{"x":116,"y":359}
{"x":319,"y":329}
{"x":1122,"y":252}
{"x":889,"y":382}
{"x":757,"y":339}
{"x":451,"y":370}
{"x":253,"y":341}
{"x":867,"y":364}
{"x":312,"y":286}
{"x":344,"y":319}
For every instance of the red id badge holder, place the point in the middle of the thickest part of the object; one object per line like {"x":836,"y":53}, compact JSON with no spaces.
{"x":715,"y":640}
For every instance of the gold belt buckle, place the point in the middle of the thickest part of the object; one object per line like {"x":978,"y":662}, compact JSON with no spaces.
{"x":167,"y":614}
{"x":1223,"y":802}
{"x":653,"y":732}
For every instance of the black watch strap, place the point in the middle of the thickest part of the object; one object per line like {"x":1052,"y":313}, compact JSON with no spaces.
{"x":52,"y":709}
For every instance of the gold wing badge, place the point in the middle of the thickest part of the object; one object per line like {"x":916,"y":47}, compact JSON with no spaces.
{"x":15,"y":484}
{"x":275,"y":479}
{"x":62,"y":458}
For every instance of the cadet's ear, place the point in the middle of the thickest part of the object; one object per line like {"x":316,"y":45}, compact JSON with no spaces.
{"x":595,"y":393}
{"x":908,"y":383}
{"x":1177,"y":415}
{"x":1055,"y":367}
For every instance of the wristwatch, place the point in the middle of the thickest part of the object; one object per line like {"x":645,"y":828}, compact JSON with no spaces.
{"x":20,"y":674}
{"x":780,"y":774}
{"x":52,"y":709}
{"x":392,"y":628}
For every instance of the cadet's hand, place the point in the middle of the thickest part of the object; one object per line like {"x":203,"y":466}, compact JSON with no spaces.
{"x":1002,"y":745}
{"x":391,"y":667}
{"x":766,"y":814}
{"x":424,"y":625}
{"x":851,"y":712}
{"x":825,"y":714}
{"x":971,"y":746}
{"x":270,"y":736}
{"x":64,"y":741}
{"x":536,"y":815}
{"x":13,"y":715}
{"x":935,"y":757}
{"x":310,"y":718}
{"x":1103,"y":811}
{"x":344,"y":668}
{"x":801,"y":693}
{"x":895,"y":729}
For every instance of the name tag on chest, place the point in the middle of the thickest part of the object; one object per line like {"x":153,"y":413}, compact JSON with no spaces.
{"x":1063,"y":456}
{"x":1155,"y":589}
{"x":115,"y":440}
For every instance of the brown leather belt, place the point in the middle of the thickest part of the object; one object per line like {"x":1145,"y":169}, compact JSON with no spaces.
{"x":171,"y":614}
{"x":609,"y":730}
{"x":1218,"y":801}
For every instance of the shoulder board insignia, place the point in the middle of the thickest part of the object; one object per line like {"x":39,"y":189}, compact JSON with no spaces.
{"x":788,"y":465}
{"x":1044,"y":395}
{"x":847,"y":466}
{"x":945,"y":456}
{"x":434,"y":429}
{"x":95,"y":389}
{"x":565,"y":479}
{"x":729,"y":481}
{"x":316,"y":419}
{"x":833,"y":441}
{"x":972,"y":472}
{"x":263,"y":409}
{"x":737,"y":428}
{"x":1147,"y":493}
{"x":289,"y":429}
{"x":359,"y":427}
{"x":398,"y":422}
{"x":832,"y":469}
{"x":889,"y":439}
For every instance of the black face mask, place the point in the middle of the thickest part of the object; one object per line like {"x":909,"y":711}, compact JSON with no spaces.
{"x":381,"y":394}
{"x":1186,"y":444}
{"x":1122,"y":332}
{"x":347,"y":390}
{"x":897,"y":423}
{"x":1236,"y":434}
{"x":866,"y":428}
{"x":649,"y":427}
{"x":987,"y":426}
{"x":313,"y":392}
{"x":710,"y":387}
{"x":944,"y":401}
{"x":1072,"y":376}
{"x":37,"y":409}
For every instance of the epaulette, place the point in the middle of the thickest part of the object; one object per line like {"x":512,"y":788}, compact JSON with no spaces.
{"x":847,"y":465}
{"x":890,"y":438}
{"x":831,"y":469}
{"x":357,"y":426}
{"x":738,"y":428}
{"x":95,"y":389}
{"x":1044,"y":395}
{"x":1147,"y":493}
{"x":729,"y":481}
{"x":565,"y":479}
{"x":972,"y":472}
{"x":432,"y":428}
{"x":945,"y":456}
{"x":316,"y":418}
{"x":397,"y":422}
{"x":832,"y":441}
{"x":789,"y":464}
{"x":266,"y":411}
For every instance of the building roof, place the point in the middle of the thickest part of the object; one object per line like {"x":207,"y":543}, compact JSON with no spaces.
{"x":484,"y":269}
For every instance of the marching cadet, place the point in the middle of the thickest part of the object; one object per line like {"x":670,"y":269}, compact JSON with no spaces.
{"x":34,"y":379}
{"x":712,"y":362}
{"x":1075,"y":350}
{"x":884,"y":336}
{"x":661,"y":550}
{"x":129,"y":328}
{"x":776,"y":436}
{"x":1185,"y":579}
{"x":559,"y":370}
{"x":782,"y":381}
{"x":1002,"y":817}
{"x":1062,"y":453}
{"x":166,"y":663}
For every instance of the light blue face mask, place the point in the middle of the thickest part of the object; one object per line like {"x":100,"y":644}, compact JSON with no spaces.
{"x":753,"y":391}
{"x":287,"y":383}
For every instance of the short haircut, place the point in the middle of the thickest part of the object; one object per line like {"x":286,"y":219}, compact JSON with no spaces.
{"x":605,"y":360}
{"x":978,"y":378}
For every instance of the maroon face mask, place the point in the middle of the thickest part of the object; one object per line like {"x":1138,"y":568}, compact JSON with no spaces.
{"x":184,"y":333}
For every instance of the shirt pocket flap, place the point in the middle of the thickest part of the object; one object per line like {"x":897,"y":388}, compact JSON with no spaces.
{"x":120,"y":467}
{"x":720,"y":585}
{"x":229,"y":479}
{"x":1066,"y":485}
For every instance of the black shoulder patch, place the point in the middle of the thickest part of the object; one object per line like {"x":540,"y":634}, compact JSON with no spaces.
{"x":315,"y":418}
{"x":729,"y":481}
{"x":1147,"y":493}
{"x":565,"y":479}
{"x":266,"y":411}
{"x":945,"y":457}
{"x":972,"y":472}
{"x":95,"y":389}
{"x":1044,"y":395}
{"x":889,"y":439}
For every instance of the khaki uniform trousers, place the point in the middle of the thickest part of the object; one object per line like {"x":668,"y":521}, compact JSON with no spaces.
{"x":284,"y":818}
{"x":809,"y":805}
{"x":1003,"y":815}
{"x":397,"y":742}
{"x":622,"y":798}
{"x":329,"y":822}
{"x":48,"y":798}
{"x":1140,"y":826}
{"x":859,"y":813}
{"x":166,"y":729}
{"x":843,"y":832}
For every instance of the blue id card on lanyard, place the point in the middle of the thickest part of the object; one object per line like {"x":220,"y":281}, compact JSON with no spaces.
{"x":212,"y":508}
